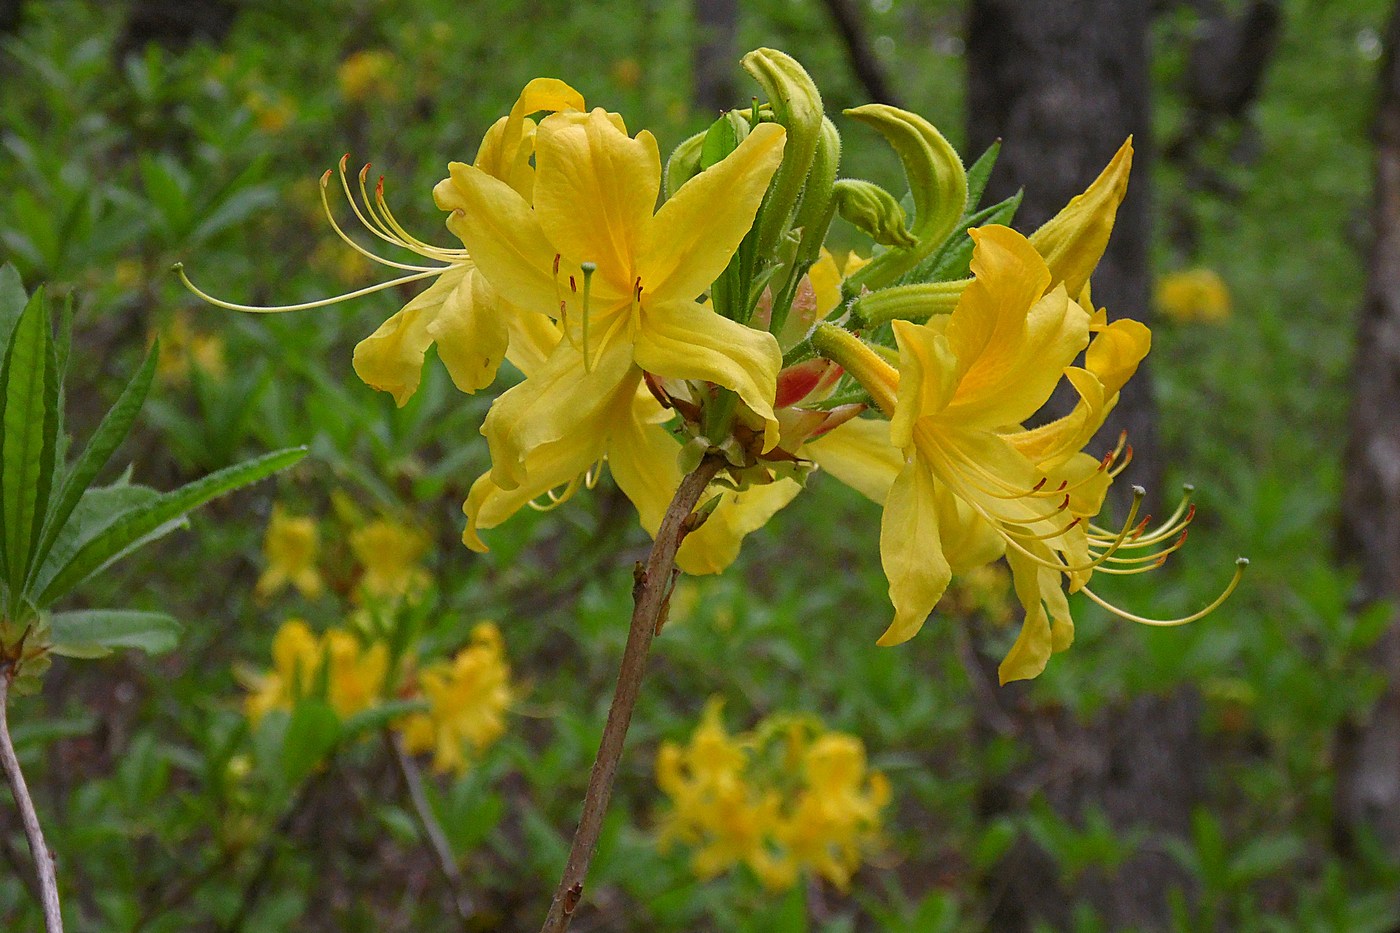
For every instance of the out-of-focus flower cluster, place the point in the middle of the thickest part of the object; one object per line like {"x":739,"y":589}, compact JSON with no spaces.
{"x":1193,"y":295}
{"x":787,"y":799}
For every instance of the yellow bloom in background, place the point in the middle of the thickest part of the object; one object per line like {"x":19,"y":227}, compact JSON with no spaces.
{"x":784,"y":799}
{"x":271,"y":114}
{"x":367,"y":74}
{"x":467,"y":700}
{"x":389,"y":555}
{"x":290,"y":547}
{"x":1193,"y":295}
{"x":336,"y":667}
{"x":183,"y":349}
{"x":983,"y":592}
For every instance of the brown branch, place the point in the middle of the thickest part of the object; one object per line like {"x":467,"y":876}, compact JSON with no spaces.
{"x":43,"y":858}
{"x":431,"y":828}
{"x":653,"y":582}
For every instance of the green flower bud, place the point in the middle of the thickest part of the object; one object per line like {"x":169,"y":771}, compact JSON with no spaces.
{"x":684,"y":163}
{"x":875,"y":211}
{"x":797,"y":106}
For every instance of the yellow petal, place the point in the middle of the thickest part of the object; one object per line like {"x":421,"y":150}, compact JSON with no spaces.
{"x":471,"y":330}
{"x":911,"y":552}
{"x":547,"y":467}
{"x":503,"y":237}
{"x":595,"y":191}
{"x":507,"y":146}
{"x":928,"y":370}
{"x":968,"y":540}
{"x":691,"y":239}
{"x":1042,"y":632}
{"x":533,"y":338}
{"x":1012,"y":345}
{"x":642,"y":459}
{"x":714,"y":545}
{"x":684,"y":340}
{"x":560,"y":402}
{"x":391,"y":359}
{"x":859,"y":454}
{"x":1073,"y":241}
{"x":826,"y":283}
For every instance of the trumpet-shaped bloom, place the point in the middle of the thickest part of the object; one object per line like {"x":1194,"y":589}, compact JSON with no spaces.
{"x":621,"y":279}
{"x":960,"y":481}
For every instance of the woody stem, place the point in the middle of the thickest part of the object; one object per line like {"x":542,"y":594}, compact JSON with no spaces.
{"x":43,"y":858}
{"x":649,"y":592}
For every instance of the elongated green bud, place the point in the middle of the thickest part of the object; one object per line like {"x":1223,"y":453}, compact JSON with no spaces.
{"x":908,"y":302}
{"x":876,"y":375}
{"x":797,"y":106}
{"x":937,"y":182}
{"x":684,"y":163}
{"x":874,"y":211}
{"x":813,"y":218}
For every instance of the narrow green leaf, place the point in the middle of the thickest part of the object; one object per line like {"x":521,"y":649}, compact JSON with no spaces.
{"x":978,"y":175}
{"x":377,"y":717}
{"x":119,"y":538}
{"x":312,"y":731}
{"x":116,"y":424}
{"x":96,"y":632}
{"x":30,"y":424}
{"x":954,"y":261}
{"x":13,"y":298}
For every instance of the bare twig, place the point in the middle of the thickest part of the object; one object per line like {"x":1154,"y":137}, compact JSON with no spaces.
{"x":43,"y":858}
{"x":432,"y":829}
{"x":648,"y":596}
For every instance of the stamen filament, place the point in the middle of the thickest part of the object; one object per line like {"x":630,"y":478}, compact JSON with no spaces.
{"x":179,"y":269}
{"x":1240,"y":564}
{"x":588,"y":269}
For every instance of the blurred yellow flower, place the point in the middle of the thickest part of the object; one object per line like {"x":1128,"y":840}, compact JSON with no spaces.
{"x":290,"y":545}
{"x":366,"y":75}
{"x":467,"y":700}
{"x":627,"y":72}
{"x":183,"y":348}
{"x":271,"y":114}
{"x":1193,"y":295}
{"x":389,"y":555}
{"x":335,"y":667}
{"x":784,"y":799}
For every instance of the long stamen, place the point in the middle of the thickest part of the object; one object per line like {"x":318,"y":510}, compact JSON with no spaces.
{"x":1240,"y":564}
{"x":588,"y":268}
{"x":557,"y":499}
{"x":326,"y":207}
{"x":414,"y":243}
{"x":179,"y":269}
{"x":1094,"y":563}
{"x":373,"y":227}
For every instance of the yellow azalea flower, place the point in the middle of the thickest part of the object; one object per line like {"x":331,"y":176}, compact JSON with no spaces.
{"x":365,"y":74}
{"x":467,"y":700}
{"x":1193,"y":295}
{"x":458,"y":312}
{"x":389,"y":555}
{"x":290,"y":546}
{"x":351,"y":674}
{"x":594,"y":194}
{"x":642,"y":456}
{"x":811,"y":807}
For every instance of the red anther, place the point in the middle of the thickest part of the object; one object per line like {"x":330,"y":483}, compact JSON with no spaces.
{"x":1123,"y":436}
{"x":1043,"y":481}
{"x":325,"y":178}
{"x":637,"y":288}
{"x":379,"y":188}
{"x":1077,"y":520}
{"x":1106,"y":462}
{"x":364,"y":172}
{"x":556,"y":263}
{"x":563,"y":308}
{"x":573,"y":286}
{"x":1064,"y":505}
{"x":1182,"y":540}
{"x":1160,"y":561}
{"x":1190,"y":514}
{"x":1061,"y":487}
{"x":344,"y":159}
{"x":1141,"y":527}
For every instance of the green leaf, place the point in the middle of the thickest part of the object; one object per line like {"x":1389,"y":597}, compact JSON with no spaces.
{"x":30,"y":418}
{"x":116,"y":424}
{"x":978,"y":175}
{"x":13,"y":298}
{"x":312,"y":731}
{"x":92,"y":633}
{"x":97,"y":510}
{"x":132,"y":530}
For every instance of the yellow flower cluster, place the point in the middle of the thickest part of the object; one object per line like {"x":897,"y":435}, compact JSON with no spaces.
{"x":467,"y":699}
{"x":336,"y":667}
{"x":786,"y":799}
{"x":389,"y":555}
{"x":1193,"y":295}
{"x":366,"y":74}
{"x":183,"y":349}
{"x":290,"y":545}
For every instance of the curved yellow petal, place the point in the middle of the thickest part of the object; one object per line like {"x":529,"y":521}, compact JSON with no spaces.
{"x":714,"y":545}
{"x":595,"y":191}
{"x":1073,"y":241}
{"x":472,"y":330}
{"x":684,"y":340}
{"x":968,"y":540}
{"x":533,"y":338}
{"x":642,"y":459}
{"x":691,"y":239}
{"x":1012,"y":344}
{"x":508,"y":145}
{"x":860,"y":455}
{"x":391,"y":359}
{"x":928,"y":372}
{"x":561,"y":402}
{"x":502,"y":235}
{"x":912,"y":552}
{"x":1047,"y":627}
{"x":547,"y":467}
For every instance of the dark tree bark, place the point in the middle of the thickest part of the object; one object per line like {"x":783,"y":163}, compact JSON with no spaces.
{"x":716,"y":62}
{"x":872,"y":77}
{"x":1062,"y":83}
{"x":1368,"y":759}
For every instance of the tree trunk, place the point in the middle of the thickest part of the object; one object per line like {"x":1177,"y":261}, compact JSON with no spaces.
{"x":1062,"y":83}
{"x":1368,"y":759}
{"x":716,"y":62}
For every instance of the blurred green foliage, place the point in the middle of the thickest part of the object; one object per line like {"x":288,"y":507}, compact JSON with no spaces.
{"x":163,"y":807}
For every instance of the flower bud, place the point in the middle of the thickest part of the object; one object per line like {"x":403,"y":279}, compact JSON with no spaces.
{"x":874,"y":211}
{"x":797,"y":106}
